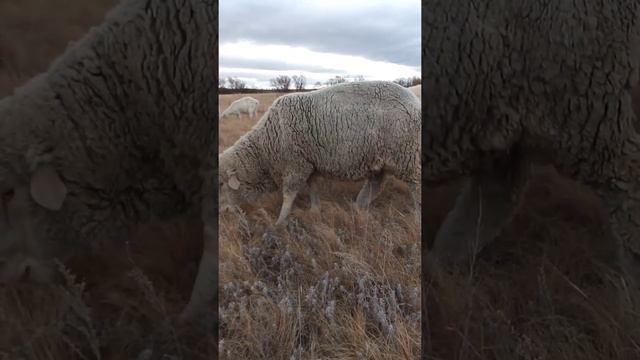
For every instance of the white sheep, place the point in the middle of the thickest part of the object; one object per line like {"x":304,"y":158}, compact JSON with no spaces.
{"x":513,"y":84}
{"x":116,"y":132}
{"x":416,"y":90}
{"x":245,"y":105}
{"x":351,"y":131}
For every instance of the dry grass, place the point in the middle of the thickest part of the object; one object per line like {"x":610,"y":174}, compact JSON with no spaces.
{"x":542,"y":291}
{"x":343,"y":285}
{"x":131,"y":294}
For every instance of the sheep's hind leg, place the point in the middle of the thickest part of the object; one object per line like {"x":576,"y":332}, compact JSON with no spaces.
{"x":623,"y":228}
{"x":313,"y":194}
{"x":621,"y":199}
{"x":415,"y":191}
{"x":485,"y":205}
{"x":371,"y":189}
{"x":619,"y":190}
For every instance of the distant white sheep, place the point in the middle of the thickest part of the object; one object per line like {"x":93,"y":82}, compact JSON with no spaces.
{"x":353,"y":131}
{"x":417,"y":90}
{"x":245,"y":105}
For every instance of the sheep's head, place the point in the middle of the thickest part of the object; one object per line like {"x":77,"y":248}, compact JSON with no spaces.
{"x":239,"y":185}
{"x":25,"y":251}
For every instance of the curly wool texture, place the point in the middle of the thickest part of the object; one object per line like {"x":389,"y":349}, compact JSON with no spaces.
{"x":124,"y":115}
{"x":524,"y":82}
{"x":552,"y":77}
{"x":348,"y":132}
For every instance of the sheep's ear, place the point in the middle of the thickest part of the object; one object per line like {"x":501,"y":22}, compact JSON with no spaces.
{"x":47,"y":189}
{"x":234,"y":183}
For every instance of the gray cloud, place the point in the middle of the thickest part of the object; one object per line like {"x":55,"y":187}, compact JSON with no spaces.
{"x":386,"y":32}
{"x":272,"y":65}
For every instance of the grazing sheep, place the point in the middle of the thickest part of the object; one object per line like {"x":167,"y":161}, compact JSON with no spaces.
{"x":245,"y":105}
{"x":349,"y":132}
{"x":511,"y":84}
{"x":116,"y":132}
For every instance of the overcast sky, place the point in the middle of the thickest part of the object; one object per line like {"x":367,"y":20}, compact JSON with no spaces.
{"x":378,"y":39}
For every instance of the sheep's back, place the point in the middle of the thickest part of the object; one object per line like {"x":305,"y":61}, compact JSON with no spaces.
{"x":545,"y":74}
{"x":348,"y":132}
{"x":138,"y":92}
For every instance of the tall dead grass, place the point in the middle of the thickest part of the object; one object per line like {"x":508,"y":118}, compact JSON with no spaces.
{"x":544,"y":290}
{"x":116,"y":304}
{"x":341,"y":285}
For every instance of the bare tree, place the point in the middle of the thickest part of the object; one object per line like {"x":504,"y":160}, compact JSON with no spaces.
{"x":336,"y":80}
{"x":416,"y":80}
{"x":236,"y":84}
{"x":358,"y":78}
{"x":299,"y":81}
{"x":282,"y":82}
{"x":222,"y":83}
{"x":401,"y":81}
{"x":318,"y":84}
{"x":408,"y":82}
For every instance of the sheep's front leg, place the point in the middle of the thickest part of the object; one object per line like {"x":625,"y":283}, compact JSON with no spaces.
{"x":371,"y":189}
{"x":205,"y":288}
{"x":290,"y":188}
{"x":287,"y":202}
{"x":486,"y":204}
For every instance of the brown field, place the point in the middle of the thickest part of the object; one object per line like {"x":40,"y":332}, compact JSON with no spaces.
{"x":343,"y":285}
{"x":543,"y":290}
{"x":127,"y":306}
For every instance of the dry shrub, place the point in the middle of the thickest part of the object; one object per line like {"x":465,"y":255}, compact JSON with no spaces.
{"x":124,"y":303}
{"x":125,"y":298}
{"x":344,"y":284}
{"x":545,"y":289}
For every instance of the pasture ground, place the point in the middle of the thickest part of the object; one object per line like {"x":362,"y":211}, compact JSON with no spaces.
{"x":117,"y":305}
{"x":540,"y":292}
{"x":342,"y":285}
{"x":544,"y":290}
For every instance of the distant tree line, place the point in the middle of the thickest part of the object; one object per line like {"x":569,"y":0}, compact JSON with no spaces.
{"x":408,"y":82}
{"x":232,"y":83}
{"x":285,"y":82}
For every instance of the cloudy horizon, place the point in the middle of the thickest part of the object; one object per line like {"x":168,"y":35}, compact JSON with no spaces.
{"x":375,"y":39}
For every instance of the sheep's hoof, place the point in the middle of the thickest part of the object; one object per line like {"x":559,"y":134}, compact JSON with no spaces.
{"x":362,"y":204}
{"x":188,"y":314}
{"x":195,"y":316}
{"x":281,"y":224}
{"x":184,"y":319}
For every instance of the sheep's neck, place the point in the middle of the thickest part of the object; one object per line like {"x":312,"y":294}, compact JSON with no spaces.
{"x":254,"y":150}
{"x":20,"y":126}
